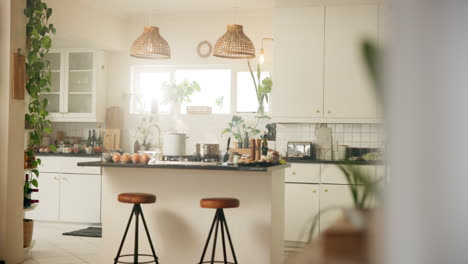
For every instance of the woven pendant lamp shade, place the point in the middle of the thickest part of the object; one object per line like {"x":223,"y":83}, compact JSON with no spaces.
{"x":150,"y":45}
{"x":234,"y":44}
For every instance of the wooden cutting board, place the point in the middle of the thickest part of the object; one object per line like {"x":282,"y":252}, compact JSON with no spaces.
{"x":112,"y":138}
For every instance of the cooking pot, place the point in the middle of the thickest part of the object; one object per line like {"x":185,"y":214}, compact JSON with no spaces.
{"x":174,"y":144}
{"x":207,"y":151}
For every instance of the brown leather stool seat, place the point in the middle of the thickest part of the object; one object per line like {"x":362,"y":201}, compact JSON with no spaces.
{"x":219,"y":203}
{"x":137,"y":198}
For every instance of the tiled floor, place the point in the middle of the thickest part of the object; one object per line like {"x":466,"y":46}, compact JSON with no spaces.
{"x":53,"y":248}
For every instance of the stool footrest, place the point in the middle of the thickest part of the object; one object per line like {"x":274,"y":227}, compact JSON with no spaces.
{"x":141,"y":255}
{"x":216,"y":261}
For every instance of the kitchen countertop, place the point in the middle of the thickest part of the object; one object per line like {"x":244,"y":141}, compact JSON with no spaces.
{"x":79,"y":155}
{"x":181,"y":166}
{"x":344,"y":162}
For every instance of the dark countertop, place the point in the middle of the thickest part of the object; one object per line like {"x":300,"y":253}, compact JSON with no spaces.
{"x":79,"y":155}
{"x":181,"y":166}
{"x":355,"y":162}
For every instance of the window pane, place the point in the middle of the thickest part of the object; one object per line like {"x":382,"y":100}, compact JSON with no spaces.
{"x":147,"y":89}
{"x":246,"y":96}
{"x":215,"y":89}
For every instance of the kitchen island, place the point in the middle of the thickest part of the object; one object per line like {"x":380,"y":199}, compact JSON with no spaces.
{"x":178,"y":226}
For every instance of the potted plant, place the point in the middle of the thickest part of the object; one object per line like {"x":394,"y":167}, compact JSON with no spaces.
{"x":178,"y":93}
{"x":38,"y":43}
{"x":238,"y":128}
{"x":262,"y":87}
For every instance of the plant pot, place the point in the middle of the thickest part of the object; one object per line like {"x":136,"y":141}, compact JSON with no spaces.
{"x":28,"y":226}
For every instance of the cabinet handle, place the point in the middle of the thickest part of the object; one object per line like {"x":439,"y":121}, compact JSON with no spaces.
{"x":65,"y":179}
{"x":314,"y":191}
{"x":293,"y":173}
{"x":326,"y":190}
{"x":318,"y":111}
{"x":56,"y":179}
{"x":329,"y":111}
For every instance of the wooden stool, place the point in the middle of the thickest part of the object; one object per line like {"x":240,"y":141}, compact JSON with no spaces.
{"x":219,"y":219}
{"x":136,"y":199}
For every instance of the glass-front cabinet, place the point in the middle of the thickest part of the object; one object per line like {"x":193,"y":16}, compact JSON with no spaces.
{"x":77,"y":86}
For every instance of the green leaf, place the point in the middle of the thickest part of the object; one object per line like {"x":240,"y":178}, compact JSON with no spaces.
{"x":53,"y":148}
{"x":48,"y":130}
{"x":36,"y":172}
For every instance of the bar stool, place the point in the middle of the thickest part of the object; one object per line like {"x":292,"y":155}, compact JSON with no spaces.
{"x":219,"y":219}
{"x":136,"y":199}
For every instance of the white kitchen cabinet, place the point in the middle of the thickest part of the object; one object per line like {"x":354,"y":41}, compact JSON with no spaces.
{"x":348,"y":90}
{"x":80,"y":198}
{"x":78,"y":87}
{"x":332,"y":198}
{"x":301,"y":206}
{"x":49,"y":191}
{"x":303,"y":173}
{"x":332,"y":174}
{"x":67,"y":192}
{"x":298,"y":67}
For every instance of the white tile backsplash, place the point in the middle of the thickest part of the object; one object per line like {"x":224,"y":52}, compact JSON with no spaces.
{"x":353,"y":135}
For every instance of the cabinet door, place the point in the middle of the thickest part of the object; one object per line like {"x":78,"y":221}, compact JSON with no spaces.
{"x":301,"y":206}
{"x":80,"y":198}
{"x":48,"y":196}
{"x":55,"y":96}
{"x":303,"y":173}
{"x":332,"y":197}
{"x":80,"y":83}
{"x":348,"y":90}
{"x":298,"y":67}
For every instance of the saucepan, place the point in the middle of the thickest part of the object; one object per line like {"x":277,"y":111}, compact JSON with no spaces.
{"x":207,"y":151}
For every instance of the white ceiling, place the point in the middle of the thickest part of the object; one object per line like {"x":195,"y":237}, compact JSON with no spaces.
{"x":131,"y":7}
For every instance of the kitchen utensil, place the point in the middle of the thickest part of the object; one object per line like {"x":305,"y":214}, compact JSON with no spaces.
{"x":226,"y":156}
{"x":106,"y":156}
{"x":174,"y":144}
{"x":207,"y":151}
{"x":341,"y":153}
{"x":323,"y":137}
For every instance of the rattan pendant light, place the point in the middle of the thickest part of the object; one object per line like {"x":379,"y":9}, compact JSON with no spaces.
{"x":234,"y":44}
{"x":150,"y":44}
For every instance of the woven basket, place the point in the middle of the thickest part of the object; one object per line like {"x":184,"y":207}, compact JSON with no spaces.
{"x":28,"y":226}
{"x":234,"y":44}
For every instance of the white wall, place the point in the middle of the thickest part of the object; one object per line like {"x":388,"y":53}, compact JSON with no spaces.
{"x":12,"y":37}
{"x":80,"y":25}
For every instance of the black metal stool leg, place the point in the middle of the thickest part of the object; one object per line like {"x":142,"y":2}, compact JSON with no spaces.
{"x":209,"y":238}
{"x":223,"y":220}
{"x":223,"y":239}
{"x":148,"y":235}
{"x":124,"y":236}
{"x":137,"y":213}
{"x":215,"y":238}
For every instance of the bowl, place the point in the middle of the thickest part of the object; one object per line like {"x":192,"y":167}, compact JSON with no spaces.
{"x":106,"y":156}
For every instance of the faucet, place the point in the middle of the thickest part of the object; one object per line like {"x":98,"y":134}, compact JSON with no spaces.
{"x":159,"y":138}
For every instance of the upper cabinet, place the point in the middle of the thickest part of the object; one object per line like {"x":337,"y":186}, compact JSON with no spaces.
{"x":348,"y":90}
{"x":298,"y":68}
{"x":319,"y":70}
{"x":78,"y":88}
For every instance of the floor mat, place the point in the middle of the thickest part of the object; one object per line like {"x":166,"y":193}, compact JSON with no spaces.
{"x":87,"y":232}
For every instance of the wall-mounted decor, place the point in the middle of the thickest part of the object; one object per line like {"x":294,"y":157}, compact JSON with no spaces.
{"x":19,"y":69}
{"x":204,"y":49}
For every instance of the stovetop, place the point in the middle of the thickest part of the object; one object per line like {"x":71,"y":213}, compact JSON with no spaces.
{"x":189,"y":158}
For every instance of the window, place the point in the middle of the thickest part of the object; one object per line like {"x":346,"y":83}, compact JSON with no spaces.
{"x":215,"y":89}
{"x":246,"y":96}
{"x":146,"y":93}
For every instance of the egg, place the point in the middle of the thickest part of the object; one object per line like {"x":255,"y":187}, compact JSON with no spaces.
{"x":136,"y":158}
{"x":116,"y":157}
{"x":145,"y":158}
{"x":126,"y":158}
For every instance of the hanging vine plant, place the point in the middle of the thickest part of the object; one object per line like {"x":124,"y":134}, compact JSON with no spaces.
{"x":38,"y":43}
